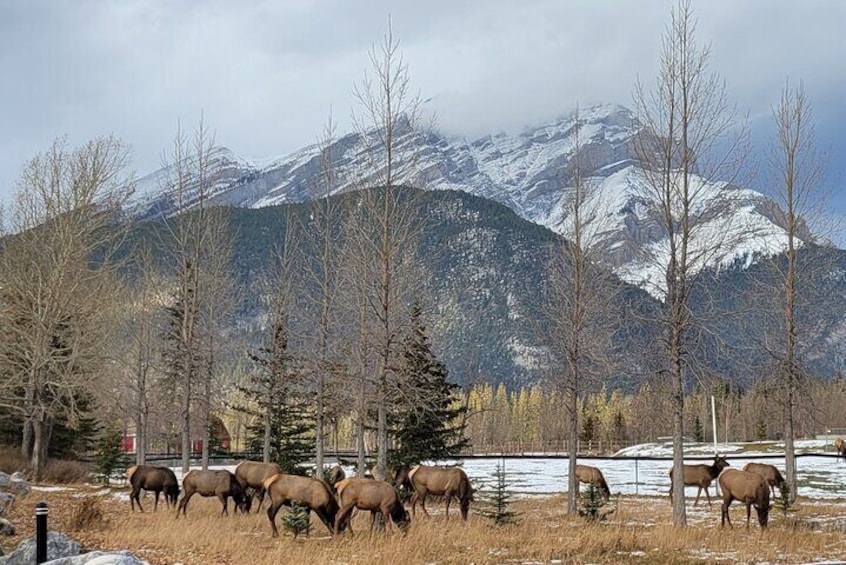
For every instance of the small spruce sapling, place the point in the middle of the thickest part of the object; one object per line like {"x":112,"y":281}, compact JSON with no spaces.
{"x":111,"y":460}
{"x":594,"y":503}
{"x":297,"y":520}
{"x":496,"y":501}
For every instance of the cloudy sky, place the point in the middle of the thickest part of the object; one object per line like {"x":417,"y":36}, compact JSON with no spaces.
{"x":265,"y":74}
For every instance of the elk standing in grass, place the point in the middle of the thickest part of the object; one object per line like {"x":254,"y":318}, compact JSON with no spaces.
{"x":316,"y":494}
{"x":701,"y":476}
{"x":252,"y":474}
{"x":591,"y":475}
{"x":769,"y":473}
{"x":221,"y":484}
{"x":750,"y":489}
{"x":448,"y":482}
{"x":369,"y":494}
{"x":155,"y":479}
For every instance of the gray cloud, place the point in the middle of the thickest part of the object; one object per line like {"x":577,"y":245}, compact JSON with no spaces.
{"x":266,"y":73}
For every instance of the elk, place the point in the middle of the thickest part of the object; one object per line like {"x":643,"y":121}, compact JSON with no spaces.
{"x":701,"y":476}
{"x":770,"y":474}
{"x":750,"y":489}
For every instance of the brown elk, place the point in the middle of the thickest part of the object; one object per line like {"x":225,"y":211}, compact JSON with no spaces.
{"x":369,"y":494}
{"x":251,"y":476}
{"x":155,"y":479}
{"x":750,"y":489}
{"x":448,"y":482}
{"x":840,"y":447}
{"x":591,"y":475}
{"x":336,"y":474}
{"x":769,"y":473}
{"x":316,"y":494}
{"x":221,"y":484}
{"x":701,"y":476}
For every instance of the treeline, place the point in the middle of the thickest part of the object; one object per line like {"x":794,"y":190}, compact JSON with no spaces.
{"x":533,"y":419}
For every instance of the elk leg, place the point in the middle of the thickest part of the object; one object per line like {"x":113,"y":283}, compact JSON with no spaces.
{"x":709,"y":497}
{"x":272,"y":510}
{"x":261,"y":493}
{"x":183,"y":504}
{"x":698,"y":492}
{"x":341,"y":516}
{"x":386,"y":516}
{"x":423,"y":502}
{"x":724,"y":514}
{"x":448,"y":496}
{"x":324,"y":517}
{"x":414,"y":498}
{"x":156,"y":503}
{"x":134,"y":497}
{"x":748,"y":513}
{"x":225,"y":500}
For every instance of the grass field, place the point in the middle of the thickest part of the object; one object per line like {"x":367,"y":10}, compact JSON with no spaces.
{"x":638,"y":532}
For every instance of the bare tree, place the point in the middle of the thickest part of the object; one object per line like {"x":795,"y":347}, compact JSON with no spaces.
{"x":578,"y":314}
{"x":323,"y":233}
{"x":798,"y":169}
{"x":58,"y":276}
{"x":685,"y":120}
{"x":198,"y":241}
{"x":386,"y":225}
{"x":143,"y":323}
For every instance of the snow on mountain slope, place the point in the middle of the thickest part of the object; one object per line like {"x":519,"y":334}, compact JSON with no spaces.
{"x":527,"y":172}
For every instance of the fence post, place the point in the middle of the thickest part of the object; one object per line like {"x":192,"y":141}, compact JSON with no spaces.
{"x":637,"y":481}
{"x":41,"y":532}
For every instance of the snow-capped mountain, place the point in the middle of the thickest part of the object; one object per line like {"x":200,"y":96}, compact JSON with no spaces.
{"x":527,"y":172}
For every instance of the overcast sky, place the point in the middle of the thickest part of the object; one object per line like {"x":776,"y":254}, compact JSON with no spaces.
{"x":266,"y":74}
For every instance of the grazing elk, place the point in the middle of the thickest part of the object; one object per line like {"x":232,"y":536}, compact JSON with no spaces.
{"x":155,"y":479}
{"x":750,"y":489}
{"x":221,"y":484}
{"x":769,"y":473}
{"x":316,"y":494}
{"x":448,"y":482}
{"x":336,"y":474}
{"x":591,"y":475}
{"x":251,"y":476}
{"x":840,"y":447}
{"x":369,"y":494}
{"x":701,"y":476}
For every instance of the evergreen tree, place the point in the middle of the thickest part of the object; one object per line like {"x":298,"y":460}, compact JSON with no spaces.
{"x":588,"y":425}
{"x":698,"y":432}
{"x":284,"y":424}
{"x":111,"y":461}
{"x":593,"y":504}
{"x":496,"y":501}
{"x":428,"y":423}
{"x":297,"y":519}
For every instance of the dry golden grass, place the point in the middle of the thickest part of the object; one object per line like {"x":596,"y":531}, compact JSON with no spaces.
{"x":639,"y":532}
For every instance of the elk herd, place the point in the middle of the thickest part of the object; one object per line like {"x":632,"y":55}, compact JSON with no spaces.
{"x":335,"y":500}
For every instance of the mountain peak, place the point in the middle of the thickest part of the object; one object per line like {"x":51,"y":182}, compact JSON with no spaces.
{"x":527,"y":172}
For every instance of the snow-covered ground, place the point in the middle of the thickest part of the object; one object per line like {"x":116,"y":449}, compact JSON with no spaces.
{"x":819,"y":477}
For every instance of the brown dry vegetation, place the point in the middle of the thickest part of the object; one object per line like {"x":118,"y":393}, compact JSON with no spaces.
{"x":639,"y":532}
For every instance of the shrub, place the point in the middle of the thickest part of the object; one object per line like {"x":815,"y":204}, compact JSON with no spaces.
{"x":87,"y":515}
{"x":64,"y":471}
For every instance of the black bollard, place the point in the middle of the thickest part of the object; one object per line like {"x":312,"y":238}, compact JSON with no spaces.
{"x":41,"y":532}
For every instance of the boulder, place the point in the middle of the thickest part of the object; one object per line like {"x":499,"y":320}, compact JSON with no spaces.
{"x":100,"y":558}
{"x":58,"y":546}
{"x":6,"y":528}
